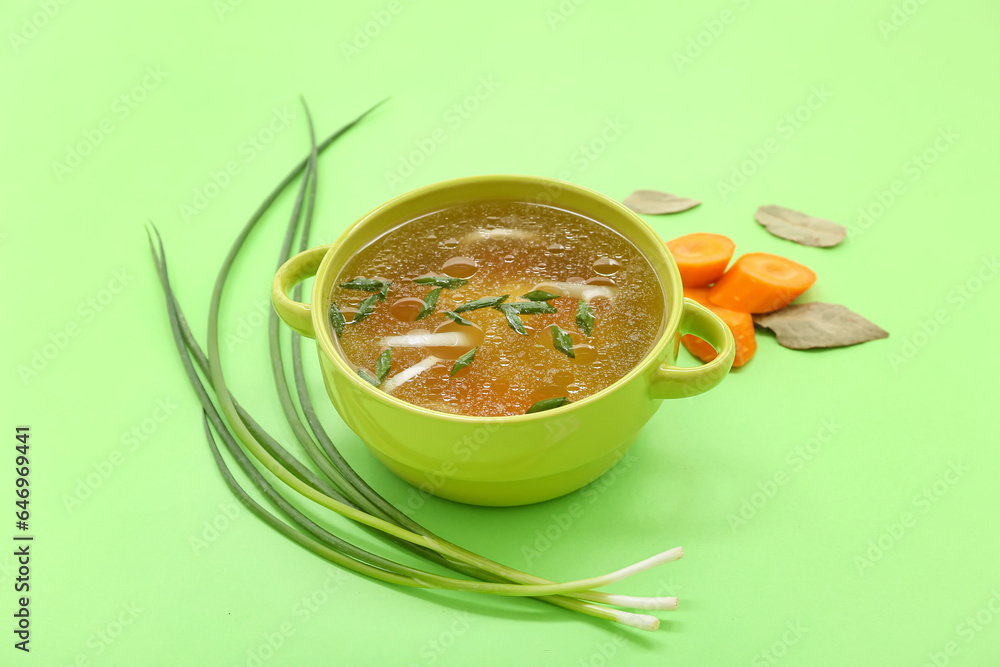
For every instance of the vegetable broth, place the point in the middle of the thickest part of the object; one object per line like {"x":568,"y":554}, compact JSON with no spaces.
{"x":499,"y":248}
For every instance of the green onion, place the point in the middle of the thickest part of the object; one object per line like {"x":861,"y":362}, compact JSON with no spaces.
{"x":369,"y":285}
{"x":430,"y":301}
{"x":337,"y":320}
{"x":382,"y":366}
{"x":513,"y":319}
{"x":562,"y":341}
{"x":585,"y":318}
{"x":539,"y":295}
{"x":446,"y":282}
{"x":547,"y":404}
{"x":464,"y":361}
{"x":484,"y":302}
{"x":457,"y":319}
{"x":531,"y":307}
{"x":365,"y":308}
{"x":368,"y":377}
{"x":364,"y":285}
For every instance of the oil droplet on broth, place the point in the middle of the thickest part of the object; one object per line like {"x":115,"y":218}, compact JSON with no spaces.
{"x":460,"y":267}
{"x":546,"y":392}
{"x":508,"y":258}
{"x":562,"y":378}
{"x":473,"y":338}
{"x":406,"y":309}
{"x":607,"y":266}
{"x":601,"y":280}
{"x":450,"y":243}
{"x":556,"y":249}
{"x":585,"y":354}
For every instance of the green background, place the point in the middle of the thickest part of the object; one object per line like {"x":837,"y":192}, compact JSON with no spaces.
{"x":875,"y":550}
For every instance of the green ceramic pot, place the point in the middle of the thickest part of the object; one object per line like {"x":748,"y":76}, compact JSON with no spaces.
{"x":504,"y":460}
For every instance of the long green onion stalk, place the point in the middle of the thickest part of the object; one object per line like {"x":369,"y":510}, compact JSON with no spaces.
{"x":338,"y":487}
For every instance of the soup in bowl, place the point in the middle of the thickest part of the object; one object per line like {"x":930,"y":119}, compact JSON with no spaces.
{"x":499,"y":340}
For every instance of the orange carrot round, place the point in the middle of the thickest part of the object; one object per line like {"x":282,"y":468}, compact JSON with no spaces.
{"x":699,"y":348}
{"x":759,"y":282}
{"x":741,"y":324}
{"x":701,"y":258}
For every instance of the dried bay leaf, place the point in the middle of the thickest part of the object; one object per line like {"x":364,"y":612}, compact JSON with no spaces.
{"x":799,"y":227}
{"x":655,"y":202}
{"x":812,"y":325}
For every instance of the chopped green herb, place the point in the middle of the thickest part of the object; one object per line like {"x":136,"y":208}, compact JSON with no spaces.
{"x":464,"y":361}
{"x":548,"y":404}
{"x":365,"y":308}
{"x":484,"y":302}
{"x":383,"y":364}
{"x":364,"y":285}
{"x":513,"y":319}
{"x":430,"y":301}
{"x":562,"y":341}
{"x":539,"y":295}
{"x":585,"y":318}
{"x":458,"y":319}
{"x":384,"y":292}
{"x":368,"y":377}
{"x":447,"y":282}
{"x":337,"y":320}
{"x":531,"y":307}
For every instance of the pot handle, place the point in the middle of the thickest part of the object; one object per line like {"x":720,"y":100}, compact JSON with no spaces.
{"x":296,"y":314}
{"x":677,"y":382}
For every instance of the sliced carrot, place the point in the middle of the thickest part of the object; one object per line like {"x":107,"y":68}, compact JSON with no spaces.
{"x":699,"y":348}
{"x":759,"y":282}
{"x":699,"y":294}
{"x":701,"y":258}
{"x":741,"y":324}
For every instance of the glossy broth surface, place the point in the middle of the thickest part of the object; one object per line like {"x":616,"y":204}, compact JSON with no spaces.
{"x":501,"y":247}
